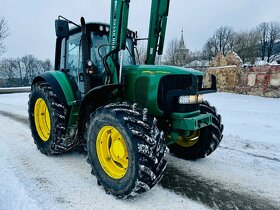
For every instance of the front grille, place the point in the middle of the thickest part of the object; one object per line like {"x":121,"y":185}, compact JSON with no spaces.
{"x":175,"y":82}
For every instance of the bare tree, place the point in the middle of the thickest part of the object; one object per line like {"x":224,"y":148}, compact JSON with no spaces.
{"x":273,"y":36}
{"x":246,"y":46}
{"x":21,"y":71}
{"x":31,"y":67}
{"x":223,"y":38}
{"x":170,"y":56}
{"x":233,"y":41}
{"x":262,"y":31}
{"x":141,"y":53}
{"x":7,"y":70}
{"x":47,"y":65}
{"x":268,"y":34}
{"x":259,"y":42}
{"x":195,"y":55}
{"x":209,"y":50}
{"x":3,"y":34}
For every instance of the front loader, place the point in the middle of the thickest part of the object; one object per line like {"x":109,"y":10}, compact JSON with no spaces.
{"x":125,"y":115}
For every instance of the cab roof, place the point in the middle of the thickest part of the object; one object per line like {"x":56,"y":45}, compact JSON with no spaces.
{"x":102,"y":28}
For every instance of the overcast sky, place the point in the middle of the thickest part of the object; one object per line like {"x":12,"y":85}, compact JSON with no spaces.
{"x":31,"y":22}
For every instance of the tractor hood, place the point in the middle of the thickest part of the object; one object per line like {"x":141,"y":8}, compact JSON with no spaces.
{"x":149,"y":85}
{"x":161,"y":70}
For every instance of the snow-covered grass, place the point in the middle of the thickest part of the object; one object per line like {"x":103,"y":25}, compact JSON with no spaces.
{"x":246,"y":163}
{"x":14,"y":103}
{"x":249,"y":117}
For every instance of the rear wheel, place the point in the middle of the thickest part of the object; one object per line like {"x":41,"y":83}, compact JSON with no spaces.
{"x":203,"y":142}
{"x":125,"y":149}
{"x":47,"y":119}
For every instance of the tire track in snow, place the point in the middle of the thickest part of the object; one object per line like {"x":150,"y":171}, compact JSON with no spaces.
{"x":254,"y":155}
{"x":15,"y":117}
{"x":197,"y":188}
{"x":211,"y":193}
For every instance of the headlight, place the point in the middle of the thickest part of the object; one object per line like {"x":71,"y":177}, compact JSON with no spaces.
{"x":193,"y":99}
{"x":184,"y":100}
{"x":190,"y":99}
{"x":199,"y":98}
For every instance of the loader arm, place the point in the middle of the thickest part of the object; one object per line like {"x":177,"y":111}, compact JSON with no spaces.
{"x":117,"y":37}
{"x":157,"y":29}
{"x":118,"y":33}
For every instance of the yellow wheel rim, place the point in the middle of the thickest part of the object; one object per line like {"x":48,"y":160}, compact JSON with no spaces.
{"x":112,"y":152}
{"x":188,"y":141}
{"x":42,"y":119}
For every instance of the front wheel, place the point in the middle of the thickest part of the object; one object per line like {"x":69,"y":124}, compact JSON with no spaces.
{"x":125,"y":149}
{"x":203,"y":142}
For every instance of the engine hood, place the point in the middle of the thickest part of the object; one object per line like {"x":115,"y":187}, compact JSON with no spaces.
{"x":161,"y":70}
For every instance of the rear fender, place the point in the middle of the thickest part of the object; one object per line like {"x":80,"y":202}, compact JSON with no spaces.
{"x":62,"y":89}
{"x":60,"y":86}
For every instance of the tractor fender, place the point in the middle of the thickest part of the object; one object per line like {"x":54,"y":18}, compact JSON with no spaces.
{"x":60,"y":86}
{"x":95,"y":98}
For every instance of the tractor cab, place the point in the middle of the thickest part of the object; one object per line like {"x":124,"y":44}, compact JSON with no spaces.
{"x":69,"y":56}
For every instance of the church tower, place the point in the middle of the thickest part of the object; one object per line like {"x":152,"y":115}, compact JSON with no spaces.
{"x":182,"y":53}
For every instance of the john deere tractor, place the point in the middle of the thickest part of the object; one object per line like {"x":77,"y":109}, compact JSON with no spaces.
{"x":125,"y":115}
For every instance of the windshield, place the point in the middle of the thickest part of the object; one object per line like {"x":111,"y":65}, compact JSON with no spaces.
{"x":100,"y":47}
{"x":129,"y":58}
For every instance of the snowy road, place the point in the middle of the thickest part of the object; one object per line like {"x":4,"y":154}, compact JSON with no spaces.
{"x":243,"y":173}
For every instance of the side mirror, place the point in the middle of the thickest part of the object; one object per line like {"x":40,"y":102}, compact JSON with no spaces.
{"x":61,"y":28}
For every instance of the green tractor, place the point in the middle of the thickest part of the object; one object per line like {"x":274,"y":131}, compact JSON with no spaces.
{"x":123,"y":114}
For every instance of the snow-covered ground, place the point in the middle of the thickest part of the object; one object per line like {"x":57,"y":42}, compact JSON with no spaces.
{"x":243,"y":173}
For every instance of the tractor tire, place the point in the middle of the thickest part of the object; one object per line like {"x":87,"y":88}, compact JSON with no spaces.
{"x":208,"y":138}
{"x":125,"y":149}
{"x":47,"y":120}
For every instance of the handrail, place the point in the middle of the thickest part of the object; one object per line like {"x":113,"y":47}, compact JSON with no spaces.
{"x":15,"y":90}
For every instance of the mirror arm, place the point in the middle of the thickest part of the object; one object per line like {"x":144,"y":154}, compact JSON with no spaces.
{"x":69,"y":21}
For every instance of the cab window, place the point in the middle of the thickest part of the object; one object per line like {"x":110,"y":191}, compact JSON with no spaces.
{"x":99,"y":48}
{"x":73,"y":54}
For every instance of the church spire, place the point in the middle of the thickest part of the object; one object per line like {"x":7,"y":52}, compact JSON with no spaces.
{"x":182,"y":42}
{"x":182,"y":53}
